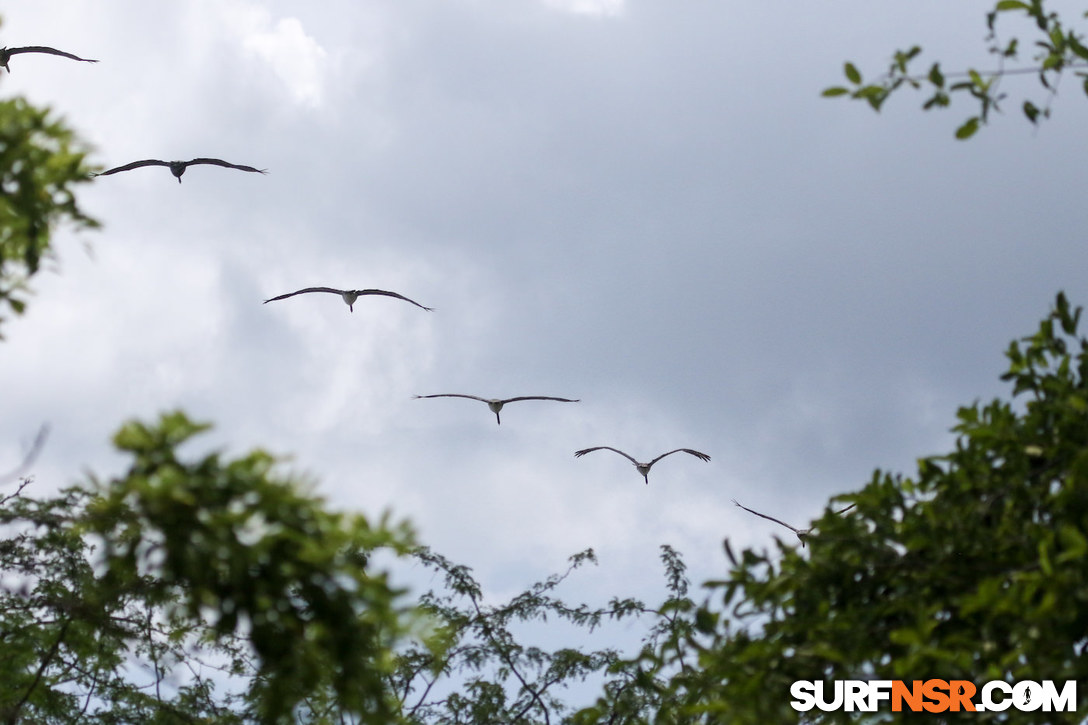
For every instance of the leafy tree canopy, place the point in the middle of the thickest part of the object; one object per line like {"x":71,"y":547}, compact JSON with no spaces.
{"x":975,"y":568}
{"x":219,"y":563}
{"x":40,"y":163}
{"x":216,"y":589}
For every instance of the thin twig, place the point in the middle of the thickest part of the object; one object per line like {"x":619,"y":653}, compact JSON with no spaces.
{"x":999,"y":72}
{"x":509,"y":663}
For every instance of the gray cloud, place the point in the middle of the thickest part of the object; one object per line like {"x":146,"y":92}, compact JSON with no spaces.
{"x":652,"y":210}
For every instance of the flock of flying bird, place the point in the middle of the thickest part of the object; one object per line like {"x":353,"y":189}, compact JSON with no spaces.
{"x":177,"y":168}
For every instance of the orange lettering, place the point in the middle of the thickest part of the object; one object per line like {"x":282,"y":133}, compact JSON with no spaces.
{"x":933,"y":690}
{"x":961,"y":692}
{"x":913,"y":696}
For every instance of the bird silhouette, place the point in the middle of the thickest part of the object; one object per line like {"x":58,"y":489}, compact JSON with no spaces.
{"x":6,"y":53}
{"x":802,"y":534}
{"x":495,"y":404}
{"x":177,"y":168}
{"x":349,"y":296}
{"x":643,"y":468}
{"x":28,"y":460}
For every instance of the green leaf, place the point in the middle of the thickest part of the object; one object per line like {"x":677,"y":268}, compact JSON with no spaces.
{"x":968,"y":129}
{"x":938,"y":99}
{"x":1044,"y":558}
{"x":705,"y":620}
{"x":1077,"y":47}
{"x":935,"y":75}
{"x":875,"y":95}
{"x":1074,"y":543}
{"x":1011,"y":5}
{"x":834,"y":91}
{"x":40,"y":162}
{"x":852,"y":74}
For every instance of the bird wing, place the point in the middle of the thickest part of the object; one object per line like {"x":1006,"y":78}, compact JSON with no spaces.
{"x":51,"y":51}
{"x":133,"y":165}
{"x":227,"y":164}
{"x":539,"y":397}
{"x":697,"y":454}
{"x":28,"y":460}
{"x":454,"y":395}
{"x":303,"y":291}
{"x":769,"y":518}
{"x":579,"y":454}
{"x":362,"y":292}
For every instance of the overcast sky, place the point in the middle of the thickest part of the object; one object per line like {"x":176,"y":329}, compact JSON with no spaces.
{"x":643,"y":204}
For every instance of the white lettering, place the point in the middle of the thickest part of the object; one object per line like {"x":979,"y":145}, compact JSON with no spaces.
{"x":836,"y":703}
{"x":994,"y":696}
{"x":878,"y":690}
{"x":1062,"y":702}
{"x":802,"y":692}
{"x":1027,"y":696}
{"x":855,"y":695}
{"x":988,"y":701}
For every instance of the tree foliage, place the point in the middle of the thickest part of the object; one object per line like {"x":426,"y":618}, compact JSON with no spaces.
{"x":211,"y":590}
{"x":245,"y":550}
{"x":193,"y":571}
{"x":483,"y":674}
{"x":1059,"y":50}
{"x":40,"y":164}
{"x":976,"y":568}
{"x":216,"y":589}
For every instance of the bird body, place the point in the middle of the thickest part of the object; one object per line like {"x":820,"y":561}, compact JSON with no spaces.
{"x":177,"y":168}
{"x":643,"y":468}
{"x":349,"y":296}
{"x":6,"y":53}
{"x":802,"y":534}
{"x":495,"y":404}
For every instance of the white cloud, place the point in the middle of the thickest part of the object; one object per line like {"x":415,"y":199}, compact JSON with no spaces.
{"x":588,"y":7}
{"x":609,"y":211}
{"x":296,"y":58}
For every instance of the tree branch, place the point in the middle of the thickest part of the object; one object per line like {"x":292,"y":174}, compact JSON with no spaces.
{"x":509,"y":663}
{"x":13,"y":715}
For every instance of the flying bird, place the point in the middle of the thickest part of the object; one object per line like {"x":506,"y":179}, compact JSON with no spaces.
{"x":643,"y":468}
{"x":6,"y":53}
{"x":177,"y":168}
{"x":28,"y":460}
{"x":349,"y":296}
{"x":802,"y":534}
{"x":496,"y":403}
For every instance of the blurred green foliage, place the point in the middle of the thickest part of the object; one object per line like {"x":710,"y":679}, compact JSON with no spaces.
{"x":40,"y":163}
